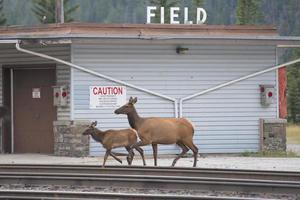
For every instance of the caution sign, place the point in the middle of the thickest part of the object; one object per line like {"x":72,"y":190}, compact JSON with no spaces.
{"x":107,"y":96}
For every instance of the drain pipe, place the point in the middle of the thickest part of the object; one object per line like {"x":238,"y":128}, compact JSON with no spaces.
{"x":234,"y":81}
{"x":9,"y":41}
{"x":99,"y":75}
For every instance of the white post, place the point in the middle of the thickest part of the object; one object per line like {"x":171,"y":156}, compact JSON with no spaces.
{"x":12,"y":108}
{"x":59,"y":9}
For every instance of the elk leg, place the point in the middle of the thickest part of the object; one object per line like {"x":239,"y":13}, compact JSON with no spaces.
{"x":130,"y":156}
{"x":138,"y":144}
{"x":154,"y":147}
{"x":195,"y":154}
{"x":195,"y":151}
{"x":184,"y":150}
{"x":105,"y":156}
{"x":141,"y":151}
{"x":115,"y":157}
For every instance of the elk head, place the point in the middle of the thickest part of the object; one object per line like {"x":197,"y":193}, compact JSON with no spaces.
{"x":90,"y":128}
{"x":128,"y":107}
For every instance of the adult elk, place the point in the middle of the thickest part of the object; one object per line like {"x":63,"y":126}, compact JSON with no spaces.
{"x":111,"y":139}
{"x":156,"y":130}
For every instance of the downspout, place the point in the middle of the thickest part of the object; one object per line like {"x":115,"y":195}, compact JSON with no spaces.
{"x":234,"y":81}
{"x":99,"y":75}
{"x":277,"y":83}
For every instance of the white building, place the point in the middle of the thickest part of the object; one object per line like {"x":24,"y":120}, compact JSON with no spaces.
{"x":162,"y":65}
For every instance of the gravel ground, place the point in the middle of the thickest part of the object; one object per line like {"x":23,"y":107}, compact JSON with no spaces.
{"x":148,"y":191}
{"x":228,"y":162}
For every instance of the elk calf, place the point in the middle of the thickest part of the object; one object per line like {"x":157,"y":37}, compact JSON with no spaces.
{"x":111,"y":139}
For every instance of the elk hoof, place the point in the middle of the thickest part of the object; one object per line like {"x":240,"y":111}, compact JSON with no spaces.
{"x":129,"y":161}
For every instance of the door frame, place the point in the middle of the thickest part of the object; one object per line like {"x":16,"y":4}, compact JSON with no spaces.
{"x":11,"y":69}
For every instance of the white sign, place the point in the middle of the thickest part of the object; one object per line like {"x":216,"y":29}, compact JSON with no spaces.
{"x":107,"y":96}
{"x":36,"y":93}
{"x":201,"y":15}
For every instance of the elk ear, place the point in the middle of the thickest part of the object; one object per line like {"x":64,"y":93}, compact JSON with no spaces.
{"x":134,"y":100}
{"x":94,"y":124}
{"x":130,"y":100}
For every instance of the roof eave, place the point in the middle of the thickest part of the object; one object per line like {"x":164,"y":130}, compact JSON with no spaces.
{"x":151,"y":37}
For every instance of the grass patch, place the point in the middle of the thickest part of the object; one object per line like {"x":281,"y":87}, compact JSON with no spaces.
{"x":293,"y":134}
{"x":276,"y":154}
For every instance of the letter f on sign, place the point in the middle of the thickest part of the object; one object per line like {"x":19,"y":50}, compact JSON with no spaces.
{"x":149,"y":14}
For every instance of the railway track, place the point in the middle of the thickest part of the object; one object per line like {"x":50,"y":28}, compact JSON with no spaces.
{"x":163,"y":178}
{"x":23,"y":194}
{"x":162,"y":171}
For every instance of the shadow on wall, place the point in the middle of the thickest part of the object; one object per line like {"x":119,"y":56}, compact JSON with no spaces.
{"x":4,"y":121}
{"x":4,"y":113}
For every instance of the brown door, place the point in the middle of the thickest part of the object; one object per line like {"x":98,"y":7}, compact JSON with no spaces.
{"x":34,"y":112}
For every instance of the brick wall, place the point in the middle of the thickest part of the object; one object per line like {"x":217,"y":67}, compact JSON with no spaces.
{"x":273,"y":134}
{"x":68,"y":138}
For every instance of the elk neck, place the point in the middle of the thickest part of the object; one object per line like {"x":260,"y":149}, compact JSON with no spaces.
{"x":134,"y":119}
{"x":98,"y":135}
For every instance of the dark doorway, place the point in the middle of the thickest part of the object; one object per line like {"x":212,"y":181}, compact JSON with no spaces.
{"x":6,"y":122}
{"x":33,"y":110}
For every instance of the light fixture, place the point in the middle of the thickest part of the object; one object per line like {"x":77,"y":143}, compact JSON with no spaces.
{"x":181,"y":50}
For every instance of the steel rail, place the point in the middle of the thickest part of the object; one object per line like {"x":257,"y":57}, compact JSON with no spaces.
{"x":67,"y":195}
{"x":163,"y":171}
{"x":133,"y":168}
{"x":152,"y":182}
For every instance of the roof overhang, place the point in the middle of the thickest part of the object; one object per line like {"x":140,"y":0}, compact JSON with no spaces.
{"x":155,"y":33}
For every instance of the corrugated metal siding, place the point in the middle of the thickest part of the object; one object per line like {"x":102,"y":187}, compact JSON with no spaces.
{"x":226,"y":120}
{"x":10,"y":56}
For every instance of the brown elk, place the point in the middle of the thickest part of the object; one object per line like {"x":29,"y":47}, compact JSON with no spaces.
{"x":156,"y":130}
{"x":111,"y":139}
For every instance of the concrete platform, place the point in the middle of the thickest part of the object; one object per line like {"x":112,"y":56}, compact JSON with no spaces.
{"x":228,"y":162}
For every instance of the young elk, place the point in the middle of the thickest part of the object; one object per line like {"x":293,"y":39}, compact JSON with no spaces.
{"x":155,"y":130}
{"x":111,"y":139}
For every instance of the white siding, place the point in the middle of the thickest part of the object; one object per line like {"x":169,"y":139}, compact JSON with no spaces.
{"x":226,"y":120}
{"x":10,"y":56}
